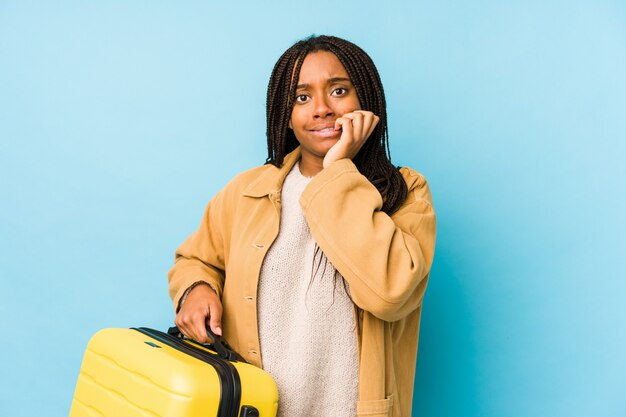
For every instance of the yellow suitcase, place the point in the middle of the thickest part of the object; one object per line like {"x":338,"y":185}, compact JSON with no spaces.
{"x":144,"y":372}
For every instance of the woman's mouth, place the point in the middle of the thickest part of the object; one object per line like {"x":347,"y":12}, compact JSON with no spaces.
{"x":328,"y":132}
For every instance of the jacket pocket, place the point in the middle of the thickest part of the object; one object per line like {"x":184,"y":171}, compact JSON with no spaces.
{"x":376,"y":408}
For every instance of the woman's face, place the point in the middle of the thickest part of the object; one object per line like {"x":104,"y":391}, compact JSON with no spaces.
{"x":324,"y":93}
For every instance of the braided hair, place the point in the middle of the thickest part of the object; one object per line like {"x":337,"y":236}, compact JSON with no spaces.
{"x":373,"y":159}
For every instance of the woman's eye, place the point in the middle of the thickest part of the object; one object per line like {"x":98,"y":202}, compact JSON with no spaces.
{"x":340,"y":91}
{"x":301,"y":98}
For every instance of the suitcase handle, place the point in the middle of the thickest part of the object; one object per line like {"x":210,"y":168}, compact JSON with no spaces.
{"x":222,"y":347}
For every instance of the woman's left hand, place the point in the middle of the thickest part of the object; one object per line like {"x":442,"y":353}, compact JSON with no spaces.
{"x":356,"y":127}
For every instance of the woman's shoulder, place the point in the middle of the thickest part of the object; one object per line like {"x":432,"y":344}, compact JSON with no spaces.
{"x":261,"y":180}
{"x":252,"y":173}
{"x":412,"y":177}
{"x":247,"y":179}
{"x":416,"y":183}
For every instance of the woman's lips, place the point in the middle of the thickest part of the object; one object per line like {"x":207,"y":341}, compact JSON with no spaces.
{"x":328,"y":132}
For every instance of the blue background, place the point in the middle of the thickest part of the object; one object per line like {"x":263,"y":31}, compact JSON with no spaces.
{"x":119,"y":120}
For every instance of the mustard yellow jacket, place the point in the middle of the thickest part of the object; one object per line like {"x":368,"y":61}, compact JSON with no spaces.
{"x":385,"y":260}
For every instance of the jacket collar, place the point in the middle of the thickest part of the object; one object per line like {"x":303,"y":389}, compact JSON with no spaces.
{"x":271,"y":180}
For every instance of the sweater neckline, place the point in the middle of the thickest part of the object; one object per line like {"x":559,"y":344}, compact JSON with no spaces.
{"x":298,"y":173}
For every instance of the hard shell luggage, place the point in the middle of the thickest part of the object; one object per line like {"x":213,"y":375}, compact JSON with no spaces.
{"x":144,"y":372}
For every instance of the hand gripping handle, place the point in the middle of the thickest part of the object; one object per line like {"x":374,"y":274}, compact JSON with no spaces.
{"x":219,"y":345}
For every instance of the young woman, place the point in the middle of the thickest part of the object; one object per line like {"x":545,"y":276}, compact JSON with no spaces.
{"x":315,"y":264}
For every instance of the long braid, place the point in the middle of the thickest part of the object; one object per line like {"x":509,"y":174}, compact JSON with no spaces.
{"x":374,"y":158}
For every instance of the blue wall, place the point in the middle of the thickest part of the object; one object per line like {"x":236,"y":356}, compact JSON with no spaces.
{"x":119,"y":120}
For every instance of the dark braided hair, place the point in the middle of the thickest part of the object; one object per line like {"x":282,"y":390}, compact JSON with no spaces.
{"x":373,"y":159}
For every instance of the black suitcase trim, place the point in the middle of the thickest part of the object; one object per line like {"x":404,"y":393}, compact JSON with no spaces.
{"x":229,"y":377}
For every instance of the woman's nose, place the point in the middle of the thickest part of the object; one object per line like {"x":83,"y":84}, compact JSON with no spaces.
{"x":322,"y":108}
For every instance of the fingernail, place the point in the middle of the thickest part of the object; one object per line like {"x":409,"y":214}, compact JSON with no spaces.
{"x":218,"y":331}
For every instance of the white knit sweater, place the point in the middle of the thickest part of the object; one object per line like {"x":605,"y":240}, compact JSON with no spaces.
{"x":306,"y":322}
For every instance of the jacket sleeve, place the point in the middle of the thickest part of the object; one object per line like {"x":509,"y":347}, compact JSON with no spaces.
{"x":385,"y":260}
{"x":200,"y":257}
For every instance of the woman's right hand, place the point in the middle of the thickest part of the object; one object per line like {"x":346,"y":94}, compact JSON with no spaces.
{"x":201,"y":308}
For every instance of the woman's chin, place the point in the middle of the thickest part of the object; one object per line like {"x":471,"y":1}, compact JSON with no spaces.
{"x":328,"y":143}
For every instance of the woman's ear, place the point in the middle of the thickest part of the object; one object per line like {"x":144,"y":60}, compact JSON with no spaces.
{"x":290,"y":125}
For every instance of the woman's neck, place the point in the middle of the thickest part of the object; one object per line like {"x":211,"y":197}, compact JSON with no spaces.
{"x":309,"y":167}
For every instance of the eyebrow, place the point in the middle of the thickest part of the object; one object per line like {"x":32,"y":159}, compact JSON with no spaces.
{"x":329,"y":81}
